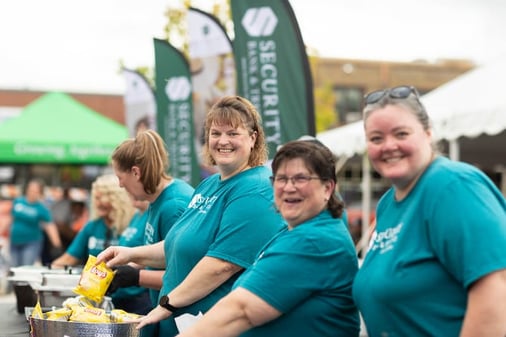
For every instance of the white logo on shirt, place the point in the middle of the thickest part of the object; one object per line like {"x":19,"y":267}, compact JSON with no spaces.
{"x":386,"y":239}
{"x":203,"y":204}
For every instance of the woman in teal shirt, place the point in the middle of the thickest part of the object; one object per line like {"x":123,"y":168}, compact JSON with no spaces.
{"x":29,"y":218}
{"x":300,"y":283}
{"x":436,"y":265}
{"x":229,"y":218}
{"x":110,"y":214}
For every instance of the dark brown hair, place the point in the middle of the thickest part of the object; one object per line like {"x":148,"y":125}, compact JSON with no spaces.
{"x":318,"y":159}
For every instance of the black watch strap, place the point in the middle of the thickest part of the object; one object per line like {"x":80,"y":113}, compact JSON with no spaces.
{"x":164,"y":302}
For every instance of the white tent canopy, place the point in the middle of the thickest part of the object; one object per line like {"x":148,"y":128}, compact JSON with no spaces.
{"x":470,"y":105}
{"x":346,"y":140}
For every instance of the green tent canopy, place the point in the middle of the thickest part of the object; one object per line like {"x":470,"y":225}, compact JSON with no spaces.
{"x":55,"y":128}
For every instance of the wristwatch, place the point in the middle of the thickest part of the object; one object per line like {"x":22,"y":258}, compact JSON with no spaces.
{"x":164,"y":302}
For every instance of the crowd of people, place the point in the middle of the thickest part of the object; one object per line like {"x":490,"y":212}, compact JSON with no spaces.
{"x":261,"y":249}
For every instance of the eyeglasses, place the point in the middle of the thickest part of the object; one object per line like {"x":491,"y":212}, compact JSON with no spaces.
{"x":400,"y":92}
{"x":299,"y":180}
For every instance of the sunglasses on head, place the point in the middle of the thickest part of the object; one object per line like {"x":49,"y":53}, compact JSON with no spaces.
{"x":400,"y":92}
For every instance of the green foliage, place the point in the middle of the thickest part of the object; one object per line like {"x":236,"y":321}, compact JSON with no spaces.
{"x":324,"y":100}
{"x":324,"y":107}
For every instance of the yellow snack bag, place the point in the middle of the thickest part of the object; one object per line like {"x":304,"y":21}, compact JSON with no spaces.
{"x":94,"y":281}
{"x":37,"y":311}
{"x":62,"y":314}
{"x":121,"y":316}
{"x":79,"y":301}
{"x":89,"y":315}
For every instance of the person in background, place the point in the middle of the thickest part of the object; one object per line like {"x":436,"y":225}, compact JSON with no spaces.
{"x":436,"y":265}
{"x":114,"y":221}
{"x":132,"y":299}
{"x":111,"y":213}
{"x":61,"y":213}
{"x":29,"y":219}
{"x":300,"y":283}
{"x":230,"y":217}
{"x":80,"y":215}
{"x":141,"y":164}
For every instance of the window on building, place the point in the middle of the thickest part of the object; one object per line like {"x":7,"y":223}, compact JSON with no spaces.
{"x":348,"y":104}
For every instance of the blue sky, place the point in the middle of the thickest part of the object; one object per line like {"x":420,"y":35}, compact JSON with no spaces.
{"x":76,"y":46}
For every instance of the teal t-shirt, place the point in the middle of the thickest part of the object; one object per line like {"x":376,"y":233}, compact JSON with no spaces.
{"x":162,"y":214}
{"x":307,"y":274}
{"x":230,"y":220}
{"x":92,"y":239}
{"x":448,"y":232}
{"x":166,"y":209}
{"x":27,"y":221}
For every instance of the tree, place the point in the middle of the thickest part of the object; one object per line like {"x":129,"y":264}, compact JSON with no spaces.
{"x":324,"y":100}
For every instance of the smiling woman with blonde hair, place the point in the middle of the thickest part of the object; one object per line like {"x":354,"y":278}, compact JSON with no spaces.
{"x":229,"y":218}
{"x":110,"y":213}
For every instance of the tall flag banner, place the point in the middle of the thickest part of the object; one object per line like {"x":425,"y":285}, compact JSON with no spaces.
{"x":273,"y":69}
{"x":140,"y":102}
{"x":175,"y":110}
{"x":212,"y":67}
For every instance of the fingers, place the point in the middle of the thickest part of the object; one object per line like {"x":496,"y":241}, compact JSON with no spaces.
{"x":154,"y":316}
{"x":105,"y":255}
{"x":113,"y":256}
{"x":141,"y":324}
{"x":146,"y":320}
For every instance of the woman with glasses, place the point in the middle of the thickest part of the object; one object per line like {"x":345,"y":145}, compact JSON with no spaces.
{"x":300,"y":283}
{"x":437,"y":263}
{"x":228,"y":220}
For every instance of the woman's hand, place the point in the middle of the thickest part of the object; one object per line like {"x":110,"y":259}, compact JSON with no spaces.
{"x":154,"y":316}
{"x":114,"y":256}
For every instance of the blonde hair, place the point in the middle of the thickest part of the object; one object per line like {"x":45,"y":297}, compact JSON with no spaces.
{"x":237,"y":112}
{"x":122,"y":208}
{"x":148,"y":152}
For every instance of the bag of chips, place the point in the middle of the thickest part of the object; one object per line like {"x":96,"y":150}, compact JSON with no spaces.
{"x":37,"y":311}
{"x":121,"y":316}
{"x":62,"y":314}
{"x":89,"y":315}
{"x":94,"y":281}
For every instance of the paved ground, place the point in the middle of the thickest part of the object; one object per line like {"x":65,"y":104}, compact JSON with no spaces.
{"x":12,"y":324}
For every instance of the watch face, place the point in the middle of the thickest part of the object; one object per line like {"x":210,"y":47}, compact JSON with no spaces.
{"x":163,"y":300}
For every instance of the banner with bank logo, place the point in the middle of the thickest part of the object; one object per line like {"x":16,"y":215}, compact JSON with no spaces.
{"x":140,"y":103}
{"x":175,"y":110}
{"x":273,"y":69}
{"x":212,"y":67}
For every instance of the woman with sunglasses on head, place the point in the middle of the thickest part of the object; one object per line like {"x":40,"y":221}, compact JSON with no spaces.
{"x":300,"y":283}
{"x":228,"y":220}
{"x":437,"y":263}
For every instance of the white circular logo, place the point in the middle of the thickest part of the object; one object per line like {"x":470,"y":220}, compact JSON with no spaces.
{"x":259,"y":21}
{"x":178,"y":88}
